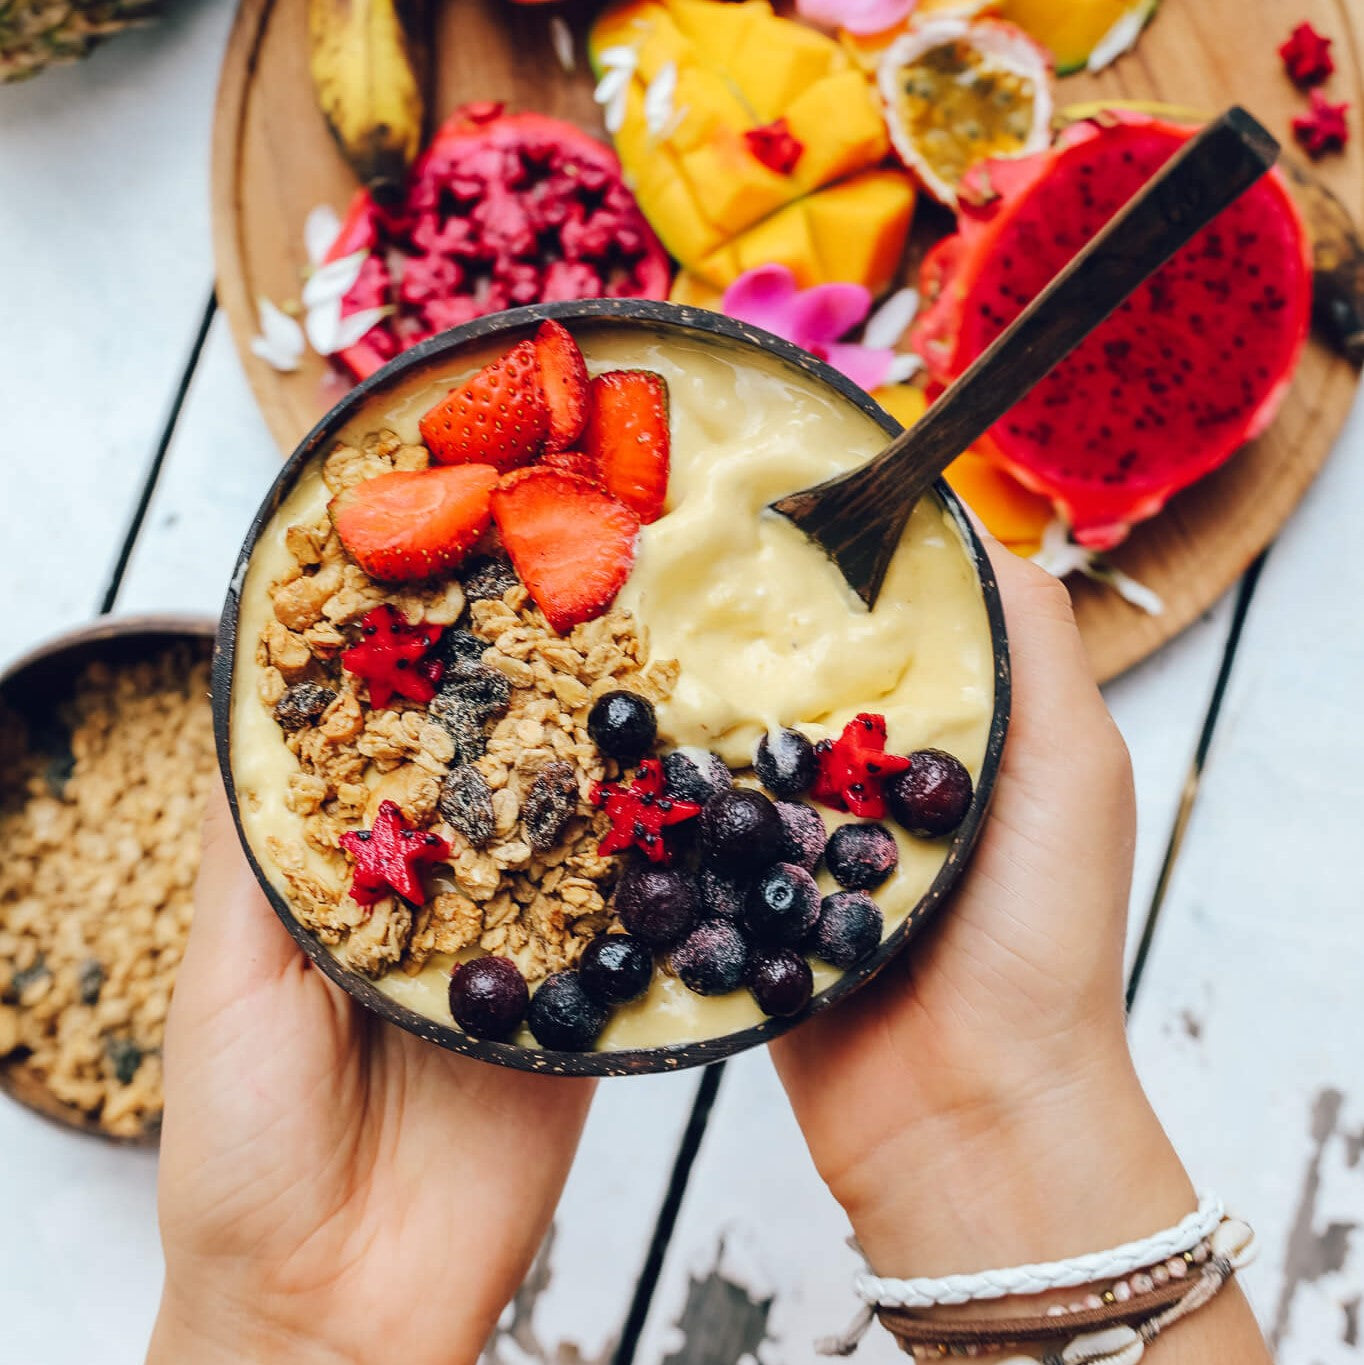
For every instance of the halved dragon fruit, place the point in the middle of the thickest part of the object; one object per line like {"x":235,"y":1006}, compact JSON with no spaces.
{"x":501,"y":209}
{"x":1191,"y":367}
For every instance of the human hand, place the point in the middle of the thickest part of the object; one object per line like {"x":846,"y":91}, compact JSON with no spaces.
{"x":331,"y":1187}
{"x":976,"y":1105}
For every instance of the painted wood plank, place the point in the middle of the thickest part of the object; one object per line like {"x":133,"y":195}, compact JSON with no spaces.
{"x":1247,"y":1028}
{"x":103,"y":216}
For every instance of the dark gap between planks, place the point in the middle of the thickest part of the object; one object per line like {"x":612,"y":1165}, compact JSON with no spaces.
{"x":1189,"y":795}
{"x":652,"y":1269}
{"x":153,"y":474}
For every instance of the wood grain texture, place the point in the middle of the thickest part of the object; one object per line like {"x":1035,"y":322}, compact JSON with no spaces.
{"x":273,"y":161}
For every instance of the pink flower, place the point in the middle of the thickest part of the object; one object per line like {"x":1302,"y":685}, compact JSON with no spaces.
{"x":857,"y":16}
{"x":813,"y":319}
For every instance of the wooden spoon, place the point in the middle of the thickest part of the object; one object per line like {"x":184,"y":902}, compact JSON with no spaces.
{"x":858,"y":518}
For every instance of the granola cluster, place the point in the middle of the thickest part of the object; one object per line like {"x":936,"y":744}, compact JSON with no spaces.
{"x":96,"y":883}
{"x":524,"y":879}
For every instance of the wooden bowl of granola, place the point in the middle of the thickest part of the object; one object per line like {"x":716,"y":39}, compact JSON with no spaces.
{"x":719,"y":625}
{"x":105,"y":759}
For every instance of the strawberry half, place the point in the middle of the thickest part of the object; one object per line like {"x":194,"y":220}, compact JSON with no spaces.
{"x":499,"y":417}
{"x":627,"y":435}
{"x":572,"y":462}
{"x":563,"y":379}
{"x":412,"y":524}
{"x":571,"y":542}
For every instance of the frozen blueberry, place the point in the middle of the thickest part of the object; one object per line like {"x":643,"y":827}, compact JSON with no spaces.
{"x":466,"y":801}
{"x":563,"y":1016}
{"x":931,"y":797}
{"x":781,"y":981}
{"x":712,"y":958}
{"x":740,"y":832}
{"x":548,"y":804}
{"x":656,"y":904}
{"x":622,"y":725}
{"x":616,"y":968}
{"x":488,"y":997}
{"x":696,"y":774}
{"x":861,"y":856}
{"x":848,"y":929}
{"x":785,"y":762}
{"x":782,"y":906}
{"x":721,"y":897}
{"x":803,"y":835}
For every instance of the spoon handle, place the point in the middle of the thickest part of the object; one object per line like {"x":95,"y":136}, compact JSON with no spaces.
{"x":1191,"y":189}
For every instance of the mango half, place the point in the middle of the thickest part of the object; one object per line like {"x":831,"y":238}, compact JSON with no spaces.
{"x":722,"y":70}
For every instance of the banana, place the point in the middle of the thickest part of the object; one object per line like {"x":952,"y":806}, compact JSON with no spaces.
{"x":366,"y":66}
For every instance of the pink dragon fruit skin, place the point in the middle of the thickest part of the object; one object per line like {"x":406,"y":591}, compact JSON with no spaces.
{"x":501,"y":209}
{"x":1191,"y":367}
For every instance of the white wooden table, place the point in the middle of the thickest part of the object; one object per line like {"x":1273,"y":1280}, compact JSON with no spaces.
{"x":706,"y":1238}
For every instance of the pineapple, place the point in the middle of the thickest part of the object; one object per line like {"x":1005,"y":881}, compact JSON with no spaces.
{"x":37,"y":33}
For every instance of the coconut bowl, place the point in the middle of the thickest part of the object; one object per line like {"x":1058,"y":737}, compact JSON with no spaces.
{"x":36,"y":688}
{"x":658,"y":319}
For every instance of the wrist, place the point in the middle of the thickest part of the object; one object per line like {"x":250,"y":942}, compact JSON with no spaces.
{"x":1077,"y":1164}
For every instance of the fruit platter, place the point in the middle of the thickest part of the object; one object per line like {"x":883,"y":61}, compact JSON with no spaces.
{"x":838,"y":194}
{"x":513,"y":740}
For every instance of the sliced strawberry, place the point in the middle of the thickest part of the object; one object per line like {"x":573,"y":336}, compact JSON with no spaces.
{"x":412,"y":524}
{"x":571,"y":543}
{"x":627,"y":436}
{"x":563,"y":379}
{"x":499,"y":417}
{"x":572,"y":462}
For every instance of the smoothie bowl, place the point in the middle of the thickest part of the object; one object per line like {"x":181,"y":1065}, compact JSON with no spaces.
{"x":549,"y":745}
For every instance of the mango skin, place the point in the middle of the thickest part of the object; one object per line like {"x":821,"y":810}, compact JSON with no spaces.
{"x":838,"y":215}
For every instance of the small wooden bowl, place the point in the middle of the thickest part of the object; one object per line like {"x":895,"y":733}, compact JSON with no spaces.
{"x":510,"y":327}
{"x":36,"y":687}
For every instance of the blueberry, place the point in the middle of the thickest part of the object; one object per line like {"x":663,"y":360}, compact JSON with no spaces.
{"x":616,"y":968}
{"x":781,"y":981}
{"x":563,"y":1016}
{"x":785,"y":762}
{"x":848,"y":929}
{"x":712,"y":958}
{"x":696,"y":774}
{"x":740,"y":831}
{"x":931,"y":797}
{"x":861,"y":856}
{"x":803,"y":835}
{"x":488,"y":997}
{"x":656,"y":904}
{"x":622,"y":725}
{"x":782,"y":906}
{"x":721,"y":897}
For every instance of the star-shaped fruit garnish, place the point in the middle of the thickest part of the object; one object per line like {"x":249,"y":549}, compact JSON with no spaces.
{"x":1307,"y":56}
{"x":391,"y":657}
{"x":853,"y":767}
{"x":641,"y":812}
{"x":775,"y":146}
{"x":1323,"y":129}
{"x":388,"y":855}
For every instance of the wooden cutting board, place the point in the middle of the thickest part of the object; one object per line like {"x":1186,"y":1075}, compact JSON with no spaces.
{"x":274,"y":160}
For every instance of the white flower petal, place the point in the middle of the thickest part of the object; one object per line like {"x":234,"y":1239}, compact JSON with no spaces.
{"x":621,"y":57}
{"x":1122,"y":37}
{"x":331,"y":281}
{"x":561,"y":37}
{"x":614,"y":117}
{"x":887,"y":324}
{"x":658,"y":99}
{"x":320,"y":229}
{"x":355,"y":325}
{"x":903,"y":368}
{"x":280,"y":342}
{"x":323,"y":326}
{"x":611,"y":84}
{"x":1059,"y":554}
{"x":1128,"y":588}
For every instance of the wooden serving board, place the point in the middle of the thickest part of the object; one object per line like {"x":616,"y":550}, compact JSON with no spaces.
{"x":274,"y":160}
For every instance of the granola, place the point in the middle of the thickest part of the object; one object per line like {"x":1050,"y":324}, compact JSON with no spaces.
{"x":499,"y":763}
{"x":96,"y":884}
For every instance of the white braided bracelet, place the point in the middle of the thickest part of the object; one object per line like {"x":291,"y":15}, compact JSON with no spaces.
{"x":1039,"y":1279}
